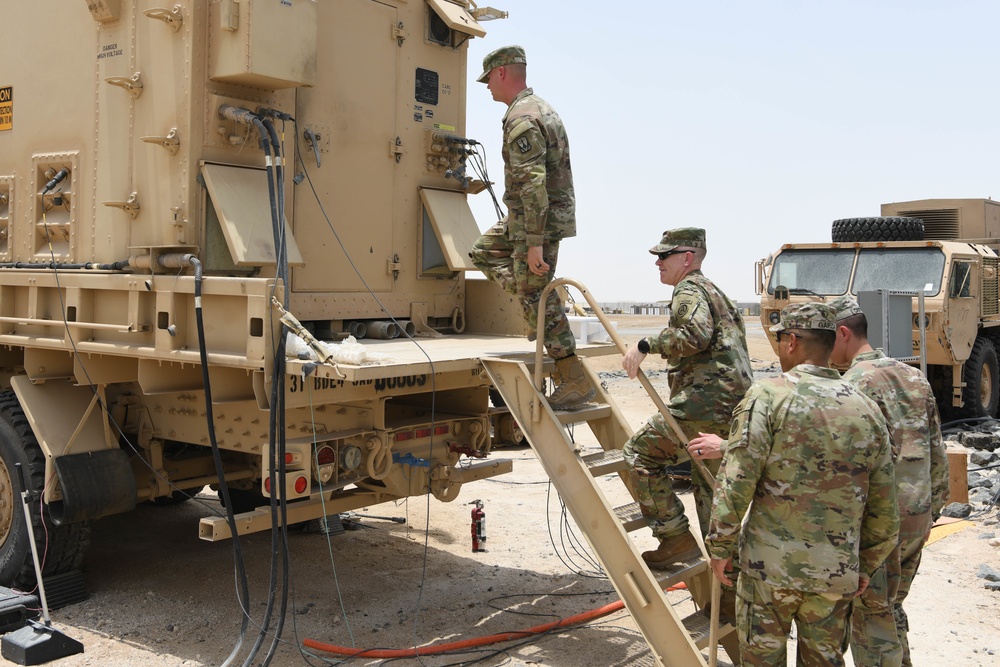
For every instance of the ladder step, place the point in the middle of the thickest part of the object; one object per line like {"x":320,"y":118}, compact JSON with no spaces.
{"x":631,"y":517}
{"x":584,"y":413}
{"x":679,"y":572}
{"x":699,"y":625}
{"x":605,"y":462}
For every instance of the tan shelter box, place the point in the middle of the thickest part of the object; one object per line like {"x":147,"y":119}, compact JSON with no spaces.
{"x":264,"y":43}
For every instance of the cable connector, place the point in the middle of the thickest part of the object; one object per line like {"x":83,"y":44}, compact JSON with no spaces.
{"x":274,"y":113}
{"x":56,"y":180}
{"x":299,"y":330}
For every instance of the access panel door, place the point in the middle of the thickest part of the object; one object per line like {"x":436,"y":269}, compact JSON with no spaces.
{"x":351,"y":114}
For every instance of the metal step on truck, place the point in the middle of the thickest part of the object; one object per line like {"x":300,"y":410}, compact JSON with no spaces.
{"x":926,"y":274}
{"x":182,"y":184}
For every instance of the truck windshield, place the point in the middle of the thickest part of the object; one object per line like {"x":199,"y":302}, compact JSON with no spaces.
{"x":813,"y":271}
{"x":904,"y":269}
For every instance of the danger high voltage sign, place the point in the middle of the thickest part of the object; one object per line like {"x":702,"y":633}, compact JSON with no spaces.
{"x":6,"y":107}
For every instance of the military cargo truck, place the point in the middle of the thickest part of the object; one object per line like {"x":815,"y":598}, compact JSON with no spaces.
{"x":943,"y":248}
{"x":183,"y":183}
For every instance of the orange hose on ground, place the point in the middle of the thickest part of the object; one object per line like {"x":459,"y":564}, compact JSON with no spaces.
{"x":469,"y":643}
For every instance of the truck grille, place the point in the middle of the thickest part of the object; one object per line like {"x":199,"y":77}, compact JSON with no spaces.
{"x":991,"y":293}
{"x":940,"y":224}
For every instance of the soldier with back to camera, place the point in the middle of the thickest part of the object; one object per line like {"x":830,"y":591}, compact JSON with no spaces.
{"x":806,"y":488}
{"x":878,"y":621}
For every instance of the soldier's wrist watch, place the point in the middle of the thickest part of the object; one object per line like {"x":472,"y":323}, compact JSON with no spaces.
{"x":643,"y":346}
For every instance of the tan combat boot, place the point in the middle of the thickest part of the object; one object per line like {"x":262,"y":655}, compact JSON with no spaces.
{"x":677,"y":549}
{"x":572,"y":388}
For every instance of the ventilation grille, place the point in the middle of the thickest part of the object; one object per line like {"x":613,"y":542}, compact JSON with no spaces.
{"x":991,"y":293}
{"x":940,"y":224}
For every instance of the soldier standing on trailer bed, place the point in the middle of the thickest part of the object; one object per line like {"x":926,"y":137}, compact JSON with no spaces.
{"x":520,"y":252}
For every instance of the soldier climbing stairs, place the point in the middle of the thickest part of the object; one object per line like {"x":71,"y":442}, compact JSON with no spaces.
{"x":674,"y":641}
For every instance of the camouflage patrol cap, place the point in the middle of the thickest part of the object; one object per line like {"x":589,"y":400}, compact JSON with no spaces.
{"x":505,"y":55}
{"x":812,"y":315}
{"x":684,"y":237}
{"x":845,"y":306}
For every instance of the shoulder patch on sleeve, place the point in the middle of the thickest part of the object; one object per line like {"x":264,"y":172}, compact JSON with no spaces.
{"x":740,"y":421}
{"x":685,"y":304}
{"x":525,"y":141}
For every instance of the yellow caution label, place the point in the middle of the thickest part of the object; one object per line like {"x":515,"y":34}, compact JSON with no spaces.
{"x":6,"y":108}
{"x":446,"y":128}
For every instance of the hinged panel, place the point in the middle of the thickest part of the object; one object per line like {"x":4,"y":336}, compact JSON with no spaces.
{"x":239,"y":195}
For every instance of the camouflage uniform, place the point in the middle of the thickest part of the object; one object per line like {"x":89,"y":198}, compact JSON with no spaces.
{"x":810,"y":457}
{"x":541,"y":204}
{"x":879,"y":623}
{"x":708,"y":373}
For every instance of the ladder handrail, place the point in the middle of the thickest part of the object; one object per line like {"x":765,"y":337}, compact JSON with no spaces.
{"x":623,"y":348}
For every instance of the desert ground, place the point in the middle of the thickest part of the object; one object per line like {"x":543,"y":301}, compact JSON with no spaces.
{"x":161,"y":597}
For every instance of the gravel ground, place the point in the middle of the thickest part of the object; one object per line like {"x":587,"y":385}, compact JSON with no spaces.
{"x":161,"y":597}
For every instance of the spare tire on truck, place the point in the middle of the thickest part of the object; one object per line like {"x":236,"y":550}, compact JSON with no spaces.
{"x":895,"y":228}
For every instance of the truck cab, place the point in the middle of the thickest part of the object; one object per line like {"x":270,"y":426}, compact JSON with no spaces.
{"x":954,"y":266}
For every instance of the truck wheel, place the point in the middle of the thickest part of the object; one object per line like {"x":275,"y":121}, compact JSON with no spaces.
{"x":66,"y":544}
{"x":981,"y":395}
{"x":895,"y":228}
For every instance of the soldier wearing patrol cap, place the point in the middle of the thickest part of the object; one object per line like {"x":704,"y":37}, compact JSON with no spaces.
{"x":521,"y":251}
{"x":878,"y":621}
{"x":808,"y":464}
{"x":708,"y":370}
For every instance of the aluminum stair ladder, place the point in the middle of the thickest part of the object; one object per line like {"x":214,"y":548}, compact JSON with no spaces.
{"x":674,"y":641}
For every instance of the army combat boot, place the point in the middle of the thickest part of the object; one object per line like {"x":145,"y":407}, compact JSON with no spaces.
{"x":572,"y":388}
{"x":672,"y":550}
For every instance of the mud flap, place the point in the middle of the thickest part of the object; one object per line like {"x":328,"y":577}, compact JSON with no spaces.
{"x":94,"y":484}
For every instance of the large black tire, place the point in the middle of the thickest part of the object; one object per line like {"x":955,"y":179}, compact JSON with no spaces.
{"x":896,"y":228}
{"x":67,"y":544}
{"x":981,"y":393}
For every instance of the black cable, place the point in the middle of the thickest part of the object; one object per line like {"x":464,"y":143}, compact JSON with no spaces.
{"x":433,"y":378}
{"x":276,"y":408}
{"x":279,"y":527}
{"x":121,"y":265}
{"x":217,"y":458}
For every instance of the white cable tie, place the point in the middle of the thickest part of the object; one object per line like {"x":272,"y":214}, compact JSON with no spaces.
{"x":267,"y":160}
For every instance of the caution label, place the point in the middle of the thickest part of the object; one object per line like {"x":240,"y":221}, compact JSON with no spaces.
{"x":6,"y":108}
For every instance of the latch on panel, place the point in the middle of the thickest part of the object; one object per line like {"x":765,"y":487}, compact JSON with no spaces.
{"x":171,"y":142}
{"x":396,"y":148}
{"x":398,"y":33}
{"x":132,"y":84}
{"x":393,"y":266}
{"x":172,"y":17}
{"x":130,"y":206}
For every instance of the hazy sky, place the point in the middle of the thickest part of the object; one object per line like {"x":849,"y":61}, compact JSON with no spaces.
{"x":759,"y":121}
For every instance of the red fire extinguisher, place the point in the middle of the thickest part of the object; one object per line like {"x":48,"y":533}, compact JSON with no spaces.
{"x":478,"y":526}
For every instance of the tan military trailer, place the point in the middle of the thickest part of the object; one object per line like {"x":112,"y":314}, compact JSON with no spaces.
{"x":945,"y":249}
{"x":179,"y":179}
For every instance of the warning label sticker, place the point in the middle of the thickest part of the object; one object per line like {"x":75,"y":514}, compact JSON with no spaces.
{"x":6,"y":108}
